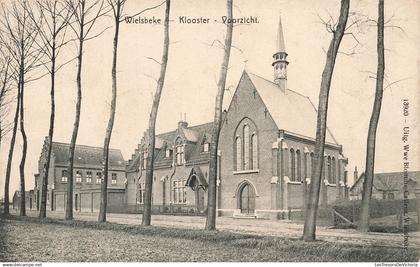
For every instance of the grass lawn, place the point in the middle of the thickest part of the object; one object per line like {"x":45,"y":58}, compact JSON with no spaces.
{"x":29,"y":239}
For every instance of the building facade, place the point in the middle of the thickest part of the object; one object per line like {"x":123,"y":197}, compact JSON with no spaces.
{"x":388,"y":185}
{"x":267,"y":147}
{"x":180,"y":170}
{"x":87,"y":177}
{"x":265,"y":154}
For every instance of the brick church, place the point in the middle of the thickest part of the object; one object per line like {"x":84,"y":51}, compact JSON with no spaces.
{"x":265,"y":154}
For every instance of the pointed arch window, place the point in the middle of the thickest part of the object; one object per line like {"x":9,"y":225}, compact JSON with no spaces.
{"x":312,"y":163}
{"x":292,"y":165}
{"x":246,"y":147}
{"x":334,"y":171}
{"x":140,"y":193}
{"x":329,"y":177}
{"x":254,"y":141}
{"x":238,"y":153}
{"x":298,"y":166}
{"x":180,"y":152}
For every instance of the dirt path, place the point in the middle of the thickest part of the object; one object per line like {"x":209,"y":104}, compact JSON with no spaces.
{"x":282,"y":228}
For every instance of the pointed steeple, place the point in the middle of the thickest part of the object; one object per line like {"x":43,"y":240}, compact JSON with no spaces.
{"x":280,"y":38}
{"x":280,"y":60}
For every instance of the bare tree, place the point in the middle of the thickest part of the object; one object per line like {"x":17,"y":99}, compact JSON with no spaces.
{"x":147,"y":213}
{"x":373,"y":124}
{"x":19,"y":36}
{"x":217,"y":123}
{"x":86,"y":14}
{"x":5,"y":75}
{"x":312,"y":204}
{"x":117,"y":9}
{"x":54,"y":17}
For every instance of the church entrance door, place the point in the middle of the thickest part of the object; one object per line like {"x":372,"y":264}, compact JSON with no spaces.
{"x":247,"y":203}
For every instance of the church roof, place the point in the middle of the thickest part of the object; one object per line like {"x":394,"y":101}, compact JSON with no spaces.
{"x":290,"y":110}
{"x":87,"y":156}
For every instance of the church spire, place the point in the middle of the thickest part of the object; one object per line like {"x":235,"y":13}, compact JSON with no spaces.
{"x":280,"y":60}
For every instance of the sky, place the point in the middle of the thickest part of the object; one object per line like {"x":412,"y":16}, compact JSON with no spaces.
{"x":193,"y":67}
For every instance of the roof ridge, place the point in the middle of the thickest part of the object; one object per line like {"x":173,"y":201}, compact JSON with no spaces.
{"x":394,"y":172}
{"x":89,"y":146}
{"x":188,"y":128}
{"x":288,"y":89}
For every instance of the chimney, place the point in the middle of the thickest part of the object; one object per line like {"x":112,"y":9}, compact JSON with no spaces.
{"x":183,"y":122}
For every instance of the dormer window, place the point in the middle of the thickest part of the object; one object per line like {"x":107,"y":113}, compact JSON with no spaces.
{"x":206,"y":147}
{"x":168,"y":153}
{"x":180,"y":154}
{"x":179,"y":151}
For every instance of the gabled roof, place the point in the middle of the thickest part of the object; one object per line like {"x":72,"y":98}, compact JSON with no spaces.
{"x":390,"y":181}
{"x":193,"y":136}
{"x":290,"y":110}
{"x":87,"y":156}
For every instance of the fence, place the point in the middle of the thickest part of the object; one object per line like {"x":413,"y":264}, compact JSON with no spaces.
{"x":350,"y":210}
{"x":170,"y":209}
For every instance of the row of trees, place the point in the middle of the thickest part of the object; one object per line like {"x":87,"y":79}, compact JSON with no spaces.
{"x":34,"y":35}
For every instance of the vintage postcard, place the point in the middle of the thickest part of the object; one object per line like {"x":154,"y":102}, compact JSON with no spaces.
{"x":209,"y":131}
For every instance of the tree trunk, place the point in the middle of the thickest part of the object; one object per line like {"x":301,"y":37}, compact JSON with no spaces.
{"x":146,"y":220}
{"x":43,"y":211}
{"x":217,"y":123}
{"x":69,"y":206}
{"x":104,"y":185}
{"x":373,"y":125}
{"x":10,"y":156}
{"x":24,"y":147}
{"x":316,"y":176}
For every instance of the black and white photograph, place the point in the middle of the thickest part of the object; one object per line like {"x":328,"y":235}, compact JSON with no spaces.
{"x":225,"y":131}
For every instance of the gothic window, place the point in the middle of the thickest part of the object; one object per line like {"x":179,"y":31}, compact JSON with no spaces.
{"x":140,"y":198}
{"x":175,"y":191}
{"x":246,"y":147}
{"x":238,"y":154}
{"x":179,"y":192}
{"x":180,"y":158}
{"x":298,"y":166}
{"x":254,"y":140}
{"x":312,"y":162}
{"x":292,"y":165}
{"x":329,"y":176}
{"x":334,"y":171}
